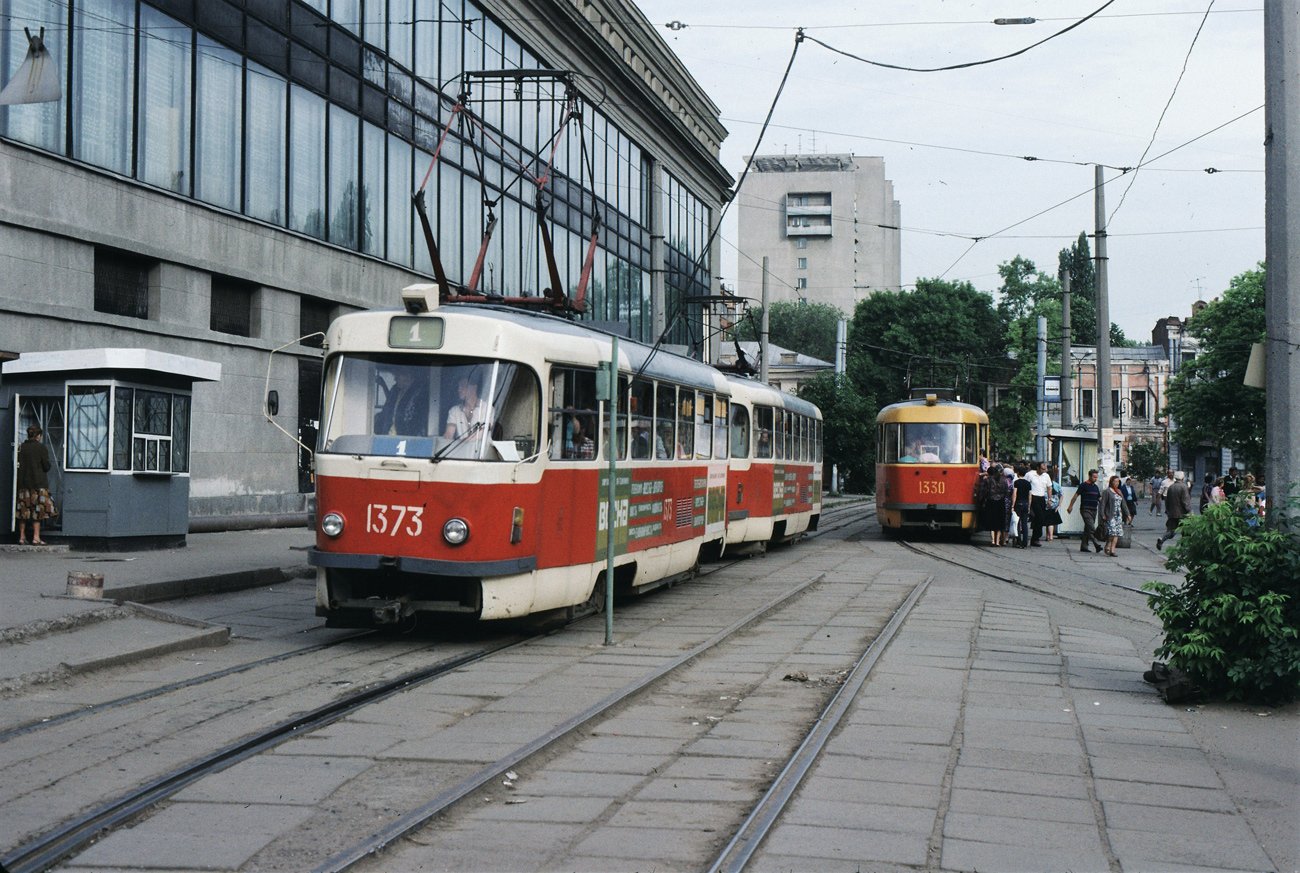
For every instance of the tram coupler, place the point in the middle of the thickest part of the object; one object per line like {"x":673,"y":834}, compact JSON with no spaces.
{"x":389,"y":613}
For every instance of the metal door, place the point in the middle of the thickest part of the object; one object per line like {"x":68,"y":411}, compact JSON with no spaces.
{"x":46,"y":412}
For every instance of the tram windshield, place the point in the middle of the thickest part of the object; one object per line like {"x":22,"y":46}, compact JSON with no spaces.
{"x":422,"y":407}
{"x":929,"y":443}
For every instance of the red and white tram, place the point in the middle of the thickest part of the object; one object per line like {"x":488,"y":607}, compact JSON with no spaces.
{"x":463,"y":464}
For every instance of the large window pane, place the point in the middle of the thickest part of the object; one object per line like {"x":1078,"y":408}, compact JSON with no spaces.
{"x":400,"y":30}
{"x":180,"y":461}
{"x":87,"y":435}
{"x":347,"y":13}
{"x":344,"y":162}
{"x":102,"y":74}
{"x":38,"y":124}
{"x":268,"y":103}
{"x":372,"y":190}
{"x":400,"y":210}
{"x":426,"y":40}
{"x":306,"y":164}
{"x":218,"y":125}
{"x":164,"y":101}
{"x":123,"y":403}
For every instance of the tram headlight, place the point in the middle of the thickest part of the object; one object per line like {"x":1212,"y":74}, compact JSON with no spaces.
{"x":455,"y":531}
{"x":332,"y":524}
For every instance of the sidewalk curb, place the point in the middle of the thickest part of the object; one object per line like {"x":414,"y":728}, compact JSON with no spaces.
{"x":153,"y":592}
{"x":213,"y":636}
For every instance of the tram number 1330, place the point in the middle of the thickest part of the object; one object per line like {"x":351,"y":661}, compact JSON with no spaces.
{"x":381,"y":518}
{"x":930,"y":486}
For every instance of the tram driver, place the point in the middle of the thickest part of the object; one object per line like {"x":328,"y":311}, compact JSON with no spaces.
{"x":470,"y":413}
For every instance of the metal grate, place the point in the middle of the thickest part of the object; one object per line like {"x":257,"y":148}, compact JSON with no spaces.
{"x":232,"y":306}
{"x":121,"y":284}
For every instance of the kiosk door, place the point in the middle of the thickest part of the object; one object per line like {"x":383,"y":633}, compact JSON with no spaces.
{"x":46,"y":412}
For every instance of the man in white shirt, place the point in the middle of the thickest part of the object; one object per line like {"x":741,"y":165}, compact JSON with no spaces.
{"x":1039,"y":485}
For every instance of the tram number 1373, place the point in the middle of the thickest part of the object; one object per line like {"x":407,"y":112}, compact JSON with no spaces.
{"x":382,"y":518}
{"x":930,"y":486}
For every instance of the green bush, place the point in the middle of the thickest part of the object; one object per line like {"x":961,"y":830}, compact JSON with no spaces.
{"x":1234,"y":626}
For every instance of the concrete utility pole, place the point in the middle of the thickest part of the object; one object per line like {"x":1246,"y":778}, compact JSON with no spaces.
{"x":762,"y":331}
{"x":1282,"y":252}
{"x":1067,"y":385}
{"x":1105,"y":451}
{"x":1040,"y":444}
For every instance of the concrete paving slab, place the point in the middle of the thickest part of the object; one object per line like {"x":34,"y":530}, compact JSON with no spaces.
{"x":913,"y":820}
{"x":556,"y":808}
{"x":1164,"y":796}
{"x":1191,"y":772}
{"x":1073,"y":810}
{"x":664,"y":848}
{"x":678,"y":788}
{"x":859,"y":844}
{"x":576,"y":783}
{"x":1019,"y":782}
{"x":974,"y":855}
{"x":276,"y":779}
{"x":180,"y":836}
{"x":1214,"y":849}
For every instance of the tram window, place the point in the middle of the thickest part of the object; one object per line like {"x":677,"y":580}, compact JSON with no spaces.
{"x":642,"y":404}
{"x":574,"y":415}
{"x":439,"y":407}
{"x":704,"y":427}
{"x":887,"y":440}
{"x":970,"y":444}
{"x":665,"y":419}
{"x":720,"y":427}
{"x":763,"y":423}
{"x":620,"y":424}
{"x":803,"y":438}
{"x":739,"y":431}
{"x":686,"y":423}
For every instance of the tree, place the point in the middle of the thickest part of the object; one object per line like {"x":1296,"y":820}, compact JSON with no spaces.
{"x":1025,"y":296}
{"x":1145,"y":459}
{"x":1077,"y":261}
{"x":942,"y":334}
{"x":1207,"y":400}
{"x":807,"y":328}
{"x":848,"y":427}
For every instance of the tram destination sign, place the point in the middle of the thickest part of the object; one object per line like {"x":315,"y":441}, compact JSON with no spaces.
{"x":415,"y":332}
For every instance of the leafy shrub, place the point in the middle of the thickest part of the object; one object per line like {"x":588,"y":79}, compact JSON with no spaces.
{"x":1234,"y":626}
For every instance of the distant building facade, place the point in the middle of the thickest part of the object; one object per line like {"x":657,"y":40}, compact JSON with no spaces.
{"x":786,"y":370}
{"x":1139,"y":389}
{"x":224,"y":177}
{"x":828,"y":225}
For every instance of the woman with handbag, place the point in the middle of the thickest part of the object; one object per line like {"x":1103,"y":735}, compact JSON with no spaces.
{"x":1112,"y":515}
{"x":33,"y":504}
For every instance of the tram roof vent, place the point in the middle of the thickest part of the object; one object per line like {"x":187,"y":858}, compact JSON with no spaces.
{"x":931,"y":399}
{"x":420,"y":297}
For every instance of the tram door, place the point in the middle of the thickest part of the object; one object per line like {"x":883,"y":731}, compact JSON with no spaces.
{"x":309,"y":384}
{"x":46,"y":412}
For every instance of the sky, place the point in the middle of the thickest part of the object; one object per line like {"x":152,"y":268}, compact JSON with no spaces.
{"x":1135,"y":78}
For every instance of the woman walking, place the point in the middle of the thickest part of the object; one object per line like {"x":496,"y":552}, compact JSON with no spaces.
{"x":1112,"y":514}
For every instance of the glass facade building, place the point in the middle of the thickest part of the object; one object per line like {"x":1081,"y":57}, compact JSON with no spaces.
{"x":322,"y":116}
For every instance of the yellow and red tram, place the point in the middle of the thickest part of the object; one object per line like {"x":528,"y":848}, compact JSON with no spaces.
{"x":928,"y":453}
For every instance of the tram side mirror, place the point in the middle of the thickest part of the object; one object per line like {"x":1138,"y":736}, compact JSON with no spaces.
{"x":273,"y":402}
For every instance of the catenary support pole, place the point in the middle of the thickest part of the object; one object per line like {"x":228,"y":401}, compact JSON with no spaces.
{"x":762,"y":331}
{"x":1067,"y":380}
{"x":1282,"y":245}
{"x":1040,"y":444}
{"x":1105,"y":450}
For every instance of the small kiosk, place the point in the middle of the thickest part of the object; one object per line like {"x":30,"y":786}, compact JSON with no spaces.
{"x":117,"y":424}
{"x":1074,"y":453}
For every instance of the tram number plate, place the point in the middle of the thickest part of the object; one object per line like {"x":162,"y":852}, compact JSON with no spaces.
{"x":929,"y":486}
{"x":382,"y":518}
